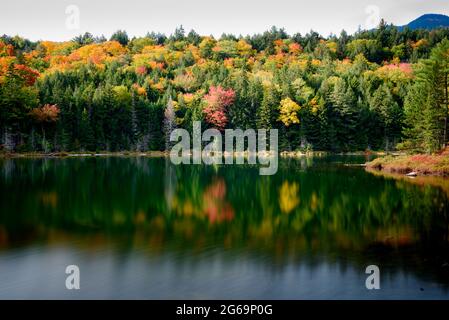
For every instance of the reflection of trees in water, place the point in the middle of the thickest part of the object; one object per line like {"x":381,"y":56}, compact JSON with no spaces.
{"x":216,"y":208}
{"x":297,"y":164}
{"x":288,"y":196}
{"x":155,"y":205}
{"x":7,"y":166}
{"x":169,"y":183}
{"x":205,"y":200}
{"x":354,"y":204}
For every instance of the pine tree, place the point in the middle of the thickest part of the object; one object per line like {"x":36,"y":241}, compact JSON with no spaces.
{"x":413,"y":129}
{"x":267,"y":113}
{"x":86,"y":132}
{"x":427,"y":105}
{"x":388,"y":112}
{"x":344,"y":115}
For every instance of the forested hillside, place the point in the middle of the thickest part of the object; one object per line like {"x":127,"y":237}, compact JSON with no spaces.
{"x":379,"y":89}
{"x":429,"y":21}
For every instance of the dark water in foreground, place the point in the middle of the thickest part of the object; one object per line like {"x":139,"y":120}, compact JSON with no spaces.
{"x":141,"y":228}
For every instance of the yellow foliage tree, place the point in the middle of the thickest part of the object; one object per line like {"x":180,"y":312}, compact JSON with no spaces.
{"x":288,"y":112}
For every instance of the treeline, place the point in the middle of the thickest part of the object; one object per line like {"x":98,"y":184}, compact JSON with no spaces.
{"x":379,"y":89}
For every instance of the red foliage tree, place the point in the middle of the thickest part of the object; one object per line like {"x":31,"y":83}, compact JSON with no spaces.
{"x":26,"y":73}
{"x":141,"y":70}
{"x":218,"y":100}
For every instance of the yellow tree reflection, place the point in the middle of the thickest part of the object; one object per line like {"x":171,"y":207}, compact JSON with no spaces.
{"x":288,"y":196}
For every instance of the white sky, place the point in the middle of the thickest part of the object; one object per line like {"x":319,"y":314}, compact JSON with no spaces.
{"x":46,"y":19}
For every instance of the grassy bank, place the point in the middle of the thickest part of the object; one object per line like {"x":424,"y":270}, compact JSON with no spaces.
{"x":419,"y":164}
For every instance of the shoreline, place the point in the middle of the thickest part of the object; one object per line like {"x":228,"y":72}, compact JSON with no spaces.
{"x":436,"y":165}
{"x":161,"y":154}
{"x":82,"y":154}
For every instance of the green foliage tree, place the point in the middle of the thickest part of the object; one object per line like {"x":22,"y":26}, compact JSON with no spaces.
{"x":426,"y":106}
{"x":121,"y":36}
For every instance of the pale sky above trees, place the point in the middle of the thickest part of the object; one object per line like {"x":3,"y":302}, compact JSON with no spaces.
{"x":47,"y":19}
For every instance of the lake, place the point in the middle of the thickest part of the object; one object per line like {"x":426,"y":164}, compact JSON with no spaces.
{"x":140,"y":227}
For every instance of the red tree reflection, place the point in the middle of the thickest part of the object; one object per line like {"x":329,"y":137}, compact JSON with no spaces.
{"x":216,"y":208}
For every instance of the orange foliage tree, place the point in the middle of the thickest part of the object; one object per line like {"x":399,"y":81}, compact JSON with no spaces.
{"x":46,"y":114}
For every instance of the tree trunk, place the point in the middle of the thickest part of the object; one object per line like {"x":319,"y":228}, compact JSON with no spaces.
{"x":44,"y":142}
{"x":8,"y":140}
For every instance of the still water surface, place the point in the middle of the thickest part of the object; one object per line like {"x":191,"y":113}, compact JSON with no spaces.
{"x":142,"y":228}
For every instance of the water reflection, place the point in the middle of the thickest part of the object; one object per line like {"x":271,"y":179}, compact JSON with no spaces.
{"x":164,"y":230}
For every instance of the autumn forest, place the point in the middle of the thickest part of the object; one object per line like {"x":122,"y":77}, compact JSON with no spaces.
{"x":383,"y":89}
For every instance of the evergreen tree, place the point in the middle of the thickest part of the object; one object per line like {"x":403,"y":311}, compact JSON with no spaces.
{"x":267,"y":113}
{"x":427,"y":103}
{"x":121,"y":36}
{"x":388,"y":113}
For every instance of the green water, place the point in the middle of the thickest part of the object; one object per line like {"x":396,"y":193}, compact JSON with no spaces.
{"x":142,"y":228}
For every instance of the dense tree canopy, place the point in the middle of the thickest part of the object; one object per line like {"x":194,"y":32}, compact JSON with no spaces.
{"x":378,"y":89}
{"x":427,"y":103}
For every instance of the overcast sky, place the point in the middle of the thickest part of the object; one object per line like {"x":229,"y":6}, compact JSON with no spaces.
{"x":57,"y":19}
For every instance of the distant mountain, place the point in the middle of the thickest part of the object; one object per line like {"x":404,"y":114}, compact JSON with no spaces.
{"x":429,"y":21}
